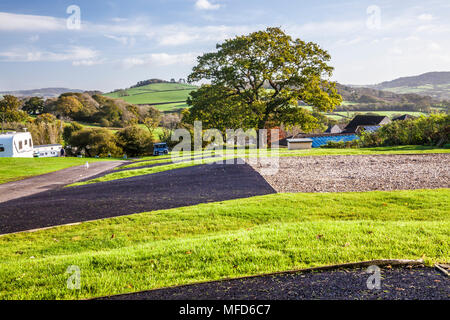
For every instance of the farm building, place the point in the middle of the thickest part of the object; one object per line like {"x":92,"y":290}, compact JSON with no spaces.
{"x":403,"y":117}
{"x":361,"y":121}
{"x":16,"y":145}
{"x":297,"y":144}
{"x":334,"y":129}
{"x":334,"y":133}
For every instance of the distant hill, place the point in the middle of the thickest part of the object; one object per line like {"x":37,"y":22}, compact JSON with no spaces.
{"x":434,"y":84}
{"x":166,"y":96}
{"x":45,"y":92}
{"x":363,"y":95}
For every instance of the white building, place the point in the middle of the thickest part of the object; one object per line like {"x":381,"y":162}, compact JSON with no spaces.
{"x":297,"y":144}
{"x":16,"y":145}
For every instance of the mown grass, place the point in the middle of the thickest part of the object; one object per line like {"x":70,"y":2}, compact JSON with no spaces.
{"x":227,"y":239}
{"x":13,"y":169}
{"x":173,"y":95}
{"x":186,"y":159}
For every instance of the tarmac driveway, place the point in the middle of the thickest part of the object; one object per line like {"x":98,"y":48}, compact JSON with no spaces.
{"x":164,"y":190}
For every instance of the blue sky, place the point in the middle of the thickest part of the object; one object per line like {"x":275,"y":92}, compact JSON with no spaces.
{"x":121,"y":42}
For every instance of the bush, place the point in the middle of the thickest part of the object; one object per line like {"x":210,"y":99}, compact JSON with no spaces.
{"x":432,"y":130}
{"x":69,"y":129}
{"x":105,"y":123}
{"x":94,"y":142}
{"x":342,"y":144}
{"x":135,"y":141}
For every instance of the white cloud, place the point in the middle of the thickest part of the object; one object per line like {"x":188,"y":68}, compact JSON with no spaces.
{"x":178,"y":38}
{"x":426,"y":17}
{"x":124,"y":40}
{"x":160,"y":59}
{"x":433,"y":46}
{"x":78,"y":55}
{"x":87,"y":63}
{"x":34,"y":38}
{"x":25,"y":22}
{"x":206,"y":5}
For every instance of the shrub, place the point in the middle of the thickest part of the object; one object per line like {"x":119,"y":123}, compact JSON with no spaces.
{"x":94,"y":142}
{"x":69,"y":129}
{"x":342,"y":144}
{"x":432,"y":130}
{"x":135,"y":141}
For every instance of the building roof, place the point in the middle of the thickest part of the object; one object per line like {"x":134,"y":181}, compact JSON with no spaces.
{"x":365,"y":120}
{"x":48,"y":145}
{"x":337,"y":128}
{"x":367,"y":128}
{"x":403,"y":117}
{"x":298,"y":140}
{"x":10,"y":135}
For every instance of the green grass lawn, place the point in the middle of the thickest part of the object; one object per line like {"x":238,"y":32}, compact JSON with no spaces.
{"x":173,"y":95}
{"x":13,"y":169}
{"x":226,"y":239}
{"x":186,"y":162}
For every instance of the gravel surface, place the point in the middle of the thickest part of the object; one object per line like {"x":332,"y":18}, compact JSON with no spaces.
{"x":359,"y":173}
{"x":163,"y":190}
{"x":402,"y":283}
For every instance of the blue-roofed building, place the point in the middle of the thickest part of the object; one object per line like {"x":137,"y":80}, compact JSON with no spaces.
{"x":359,"y":124}
{"x":323,"y":140}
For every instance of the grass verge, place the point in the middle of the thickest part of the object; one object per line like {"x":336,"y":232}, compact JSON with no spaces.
{"x":13,"y":169}
{"x":227,"y":239}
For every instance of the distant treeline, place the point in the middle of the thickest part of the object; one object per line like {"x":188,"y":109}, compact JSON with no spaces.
{"x":147,"y":82}
{"x":373,"y":107}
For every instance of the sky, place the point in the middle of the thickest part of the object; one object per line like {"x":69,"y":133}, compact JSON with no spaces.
{"x":106,"y":45}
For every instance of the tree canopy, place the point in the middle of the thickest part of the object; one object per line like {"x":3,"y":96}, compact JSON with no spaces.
{"x":10,"y":110}
{"x":257,"y":80}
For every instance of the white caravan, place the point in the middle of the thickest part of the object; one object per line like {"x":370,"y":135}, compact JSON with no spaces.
{"x":47,"y":151}
{"x":16,"y":145}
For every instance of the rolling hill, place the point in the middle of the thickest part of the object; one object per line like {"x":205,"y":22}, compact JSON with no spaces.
{"x":44,"y":92}
{"x":434,"y":84}
{"x":166,"y":96}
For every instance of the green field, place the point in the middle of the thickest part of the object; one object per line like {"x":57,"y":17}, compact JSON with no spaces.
{"x":187,"y":162}
{"x":165,"y":96}
{"x":439,"y":91}
{"x":226,"y":239}
{"x":13,"y":169}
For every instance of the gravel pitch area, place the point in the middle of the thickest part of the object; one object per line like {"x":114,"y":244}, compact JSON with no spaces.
{"x":163,"y":190}
{"x":399,"y":283}
{"x":360,"y":173}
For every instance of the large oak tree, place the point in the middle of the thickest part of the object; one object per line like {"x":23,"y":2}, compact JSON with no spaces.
{"x":258,"y":80}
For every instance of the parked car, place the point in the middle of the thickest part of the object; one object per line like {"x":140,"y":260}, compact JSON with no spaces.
{"x":160,"y":149}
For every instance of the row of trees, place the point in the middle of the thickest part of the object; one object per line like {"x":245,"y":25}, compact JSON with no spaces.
{"x":135,"y":139}
{"x":84,"y":107}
